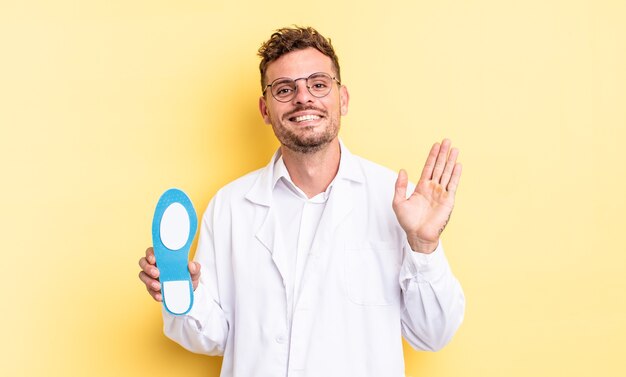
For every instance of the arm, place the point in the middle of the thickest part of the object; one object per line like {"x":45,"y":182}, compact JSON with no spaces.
{"x":205,"y":328}
{"x":433,"y":300}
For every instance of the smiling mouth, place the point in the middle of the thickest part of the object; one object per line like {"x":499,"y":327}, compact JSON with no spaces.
{"x":304,"y":118}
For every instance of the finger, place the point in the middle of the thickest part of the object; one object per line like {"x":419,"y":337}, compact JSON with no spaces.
{"x":150,"y":283}
{"x":447,"y":171}
{"x":454,"y":180}
{"x":156,"y":295}
{"x":148,"y":268}
{"x":427,"y":172}
{"x":441,"y":160}
{"x":143,"y":263}
{"x":401,"y":183}
{"x":150,"y":255}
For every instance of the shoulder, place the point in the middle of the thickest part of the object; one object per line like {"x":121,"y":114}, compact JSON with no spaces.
{"x":375,"y":173}
{"x":240,"y":186}
{"x":230,"y":198}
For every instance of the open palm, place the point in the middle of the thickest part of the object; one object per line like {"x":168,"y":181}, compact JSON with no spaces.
{"x":425,"y":213}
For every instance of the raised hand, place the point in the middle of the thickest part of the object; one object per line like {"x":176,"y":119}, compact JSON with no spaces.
{"x":425,"y":214}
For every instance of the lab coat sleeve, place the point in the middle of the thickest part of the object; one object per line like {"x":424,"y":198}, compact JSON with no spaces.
{"x":433,"y":301}
{"x":205,"y":328}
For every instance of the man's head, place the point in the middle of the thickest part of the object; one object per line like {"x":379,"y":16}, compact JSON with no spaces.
{"x":303,"y":109}
{"x":286,"y":40}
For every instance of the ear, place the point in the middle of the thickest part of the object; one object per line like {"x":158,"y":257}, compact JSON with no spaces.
{"x":263,"y":109}
{"x":344,"y":99}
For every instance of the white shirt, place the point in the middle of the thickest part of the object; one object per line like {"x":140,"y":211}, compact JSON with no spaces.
{"x":298,"y":219}
{"x":360,"y":290}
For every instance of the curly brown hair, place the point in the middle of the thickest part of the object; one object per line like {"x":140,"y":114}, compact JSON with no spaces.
{"x":288,"y":39}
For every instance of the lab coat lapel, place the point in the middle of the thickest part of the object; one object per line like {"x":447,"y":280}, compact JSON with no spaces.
{"x":268,"y":233}
{"x":340,"y":204}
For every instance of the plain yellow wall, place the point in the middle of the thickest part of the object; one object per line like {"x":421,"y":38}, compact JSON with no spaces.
{"x":105,"y":104}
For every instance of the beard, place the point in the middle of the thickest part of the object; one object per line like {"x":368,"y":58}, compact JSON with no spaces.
{"x":305,"y":139}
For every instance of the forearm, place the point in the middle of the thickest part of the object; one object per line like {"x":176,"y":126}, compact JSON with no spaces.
{"x":203,"y":330}
{"x":434,"y":303}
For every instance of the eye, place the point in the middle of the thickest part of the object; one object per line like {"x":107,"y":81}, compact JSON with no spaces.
{"x":283,"y":89}
{"x":319,"y":83}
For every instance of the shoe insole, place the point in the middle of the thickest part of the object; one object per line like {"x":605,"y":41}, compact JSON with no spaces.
{"x":173,"y":229}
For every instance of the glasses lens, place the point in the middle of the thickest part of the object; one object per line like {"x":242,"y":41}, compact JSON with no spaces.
{"x":319,"y":84}
{"x":283,"y":89}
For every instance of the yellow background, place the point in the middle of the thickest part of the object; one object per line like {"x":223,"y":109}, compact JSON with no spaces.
{"x":105,"y":104}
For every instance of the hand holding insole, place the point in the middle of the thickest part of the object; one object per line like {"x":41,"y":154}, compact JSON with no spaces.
{"x":173,"y":229}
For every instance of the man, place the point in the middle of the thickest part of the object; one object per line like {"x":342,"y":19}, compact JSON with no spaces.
{"x":315,"y":265}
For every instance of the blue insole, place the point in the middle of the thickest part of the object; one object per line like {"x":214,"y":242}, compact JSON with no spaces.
{"x":173,"y":229}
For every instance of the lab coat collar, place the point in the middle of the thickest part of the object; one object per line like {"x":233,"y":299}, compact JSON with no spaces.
{"x":261,"y":191}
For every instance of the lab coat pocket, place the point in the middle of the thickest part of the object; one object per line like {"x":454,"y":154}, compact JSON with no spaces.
{"x":371,"y":273}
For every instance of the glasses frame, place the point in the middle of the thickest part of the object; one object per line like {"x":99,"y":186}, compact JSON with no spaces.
{"x":295,"y":92}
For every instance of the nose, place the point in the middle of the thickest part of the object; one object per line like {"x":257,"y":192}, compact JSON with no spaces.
{"x":302,"y":92}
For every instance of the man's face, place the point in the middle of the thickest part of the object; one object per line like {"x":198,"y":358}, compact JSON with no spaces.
{"x":306,"y":123}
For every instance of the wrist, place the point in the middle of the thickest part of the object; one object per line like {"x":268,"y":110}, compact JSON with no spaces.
{"x":421,"y":246}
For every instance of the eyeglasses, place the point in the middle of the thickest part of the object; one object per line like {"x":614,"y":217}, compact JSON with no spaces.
{"x":284,"y":89}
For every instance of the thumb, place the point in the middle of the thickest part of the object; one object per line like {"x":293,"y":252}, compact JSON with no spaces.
{"x":401,"y":184}
{"x":194,"y":268}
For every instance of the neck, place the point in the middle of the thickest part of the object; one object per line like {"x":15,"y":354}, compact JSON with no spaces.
{"x":313,"y":172}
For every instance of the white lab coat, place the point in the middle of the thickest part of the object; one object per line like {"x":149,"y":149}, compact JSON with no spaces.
{"x":362,"y":286}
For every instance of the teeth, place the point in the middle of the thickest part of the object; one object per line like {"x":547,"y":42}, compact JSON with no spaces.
{"x":306,"y":117}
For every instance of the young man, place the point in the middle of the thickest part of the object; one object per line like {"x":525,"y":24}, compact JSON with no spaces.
{"x":315,"y":265}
